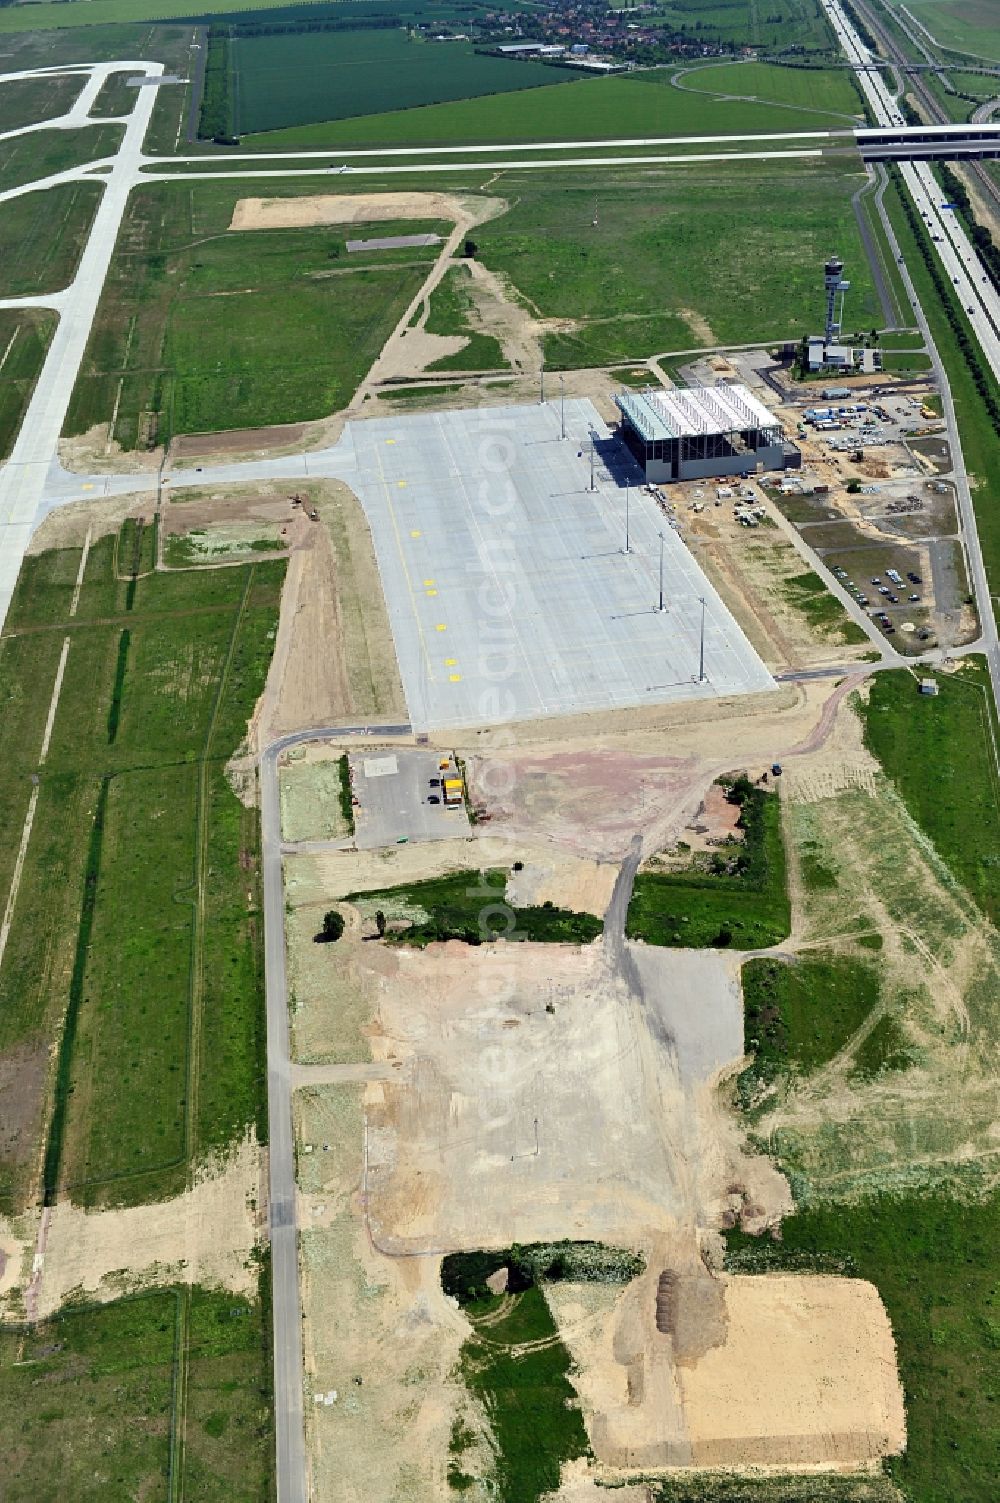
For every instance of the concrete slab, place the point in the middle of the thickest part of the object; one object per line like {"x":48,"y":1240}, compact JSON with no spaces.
{"x":393,"y":789}
{"x":509,"y":593}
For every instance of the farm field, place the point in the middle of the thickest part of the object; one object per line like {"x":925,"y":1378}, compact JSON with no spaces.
{"x":42,"y":236}
{"x":205,"y":329}
{"x":157,"y":856}
{"x":93,"y":1406}
{"x":298,"y":78}
{"x":582,"y":109}
{"x":24,"y":338}
{"x":801,"y":24}
{"x":44,"y":152}
{"x":829,"y":90}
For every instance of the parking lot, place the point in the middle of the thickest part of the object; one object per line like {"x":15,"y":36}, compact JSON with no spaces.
{"x":508,"y":588}
{"x":393,"y":790}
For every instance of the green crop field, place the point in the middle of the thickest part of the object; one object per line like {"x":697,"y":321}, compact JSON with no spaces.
{"x":24,"y":339}
{"x":942,"y":755}
{"x":111,"y":1401}
{"x":205,"y":329}
{"x":823,"y":89}
{"x":299,"y":78}
{"x":799,"y":23}
{"x":25,"y":101}
{"x":24,"y":159}
{"x":583,"y":109}
{"x":141,"y":965}
{"x":42,"y":236}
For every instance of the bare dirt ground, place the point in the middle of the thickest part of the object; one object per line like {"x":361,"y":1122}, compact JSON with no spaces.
{"x":68,"y":526}
{"x":806,"y":1373}
{"x":206,"y":1236}
{"x":751,"y":570}
{"x":359,"y":208}
{"x":381,"y":1340}
{"x":640,"y":771}
{"x":334,"y":657}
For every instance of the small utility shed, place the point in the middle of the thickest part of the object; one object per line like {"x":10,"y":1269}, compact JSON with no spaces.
{"x":928,"y":686}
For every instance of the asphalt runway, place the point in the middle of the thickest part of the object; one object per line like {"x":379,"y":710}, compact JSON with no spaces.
{"x":508,"y":588}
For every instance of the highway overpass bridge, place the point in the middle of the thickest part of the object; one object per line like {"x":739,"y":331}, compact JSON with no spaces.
{"x":921,"y":143}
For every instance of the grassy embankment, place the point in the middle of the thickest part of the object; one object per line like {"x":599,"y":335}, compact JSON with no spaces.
{"x":470,"y":906}
{"x":745,"y":908}
{"x":451,"y":312}
{"x":201,"y":329}
{"x":141,"y":966}
{"x":164,"y":1394}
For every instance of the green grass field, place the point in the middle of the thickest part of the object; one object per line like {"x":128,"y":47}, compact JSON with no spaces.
{"x":824,"y":612}
{"x":583,"y":109}
{"x":42,"y":236}
{"x":470,"y":906}
{"x":532,"y":1407}
{"x":971,"y":26}
{"x":829,"y":90}
{"x":23,"y":159}
{"x":936,"y":1264}
{"x":799,"y":23}
{"x":696,"y":908}
{"x":202,"y":329}
{"x":650,"y":274}
{"x":941,"y":754}
{"x":142,"y":963}
{"x":24,"y":339}
{"x":115,"y":97}
{"x":450,"y":306}
{"x":92,"y":1400}
{"x":25,"y":101}
{"x":299,"y":78}
{"x":799,"y":1015}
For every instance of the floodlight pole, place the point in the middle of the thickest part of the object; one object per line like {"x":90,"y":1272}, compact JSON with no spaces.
{"x":661,"y":571}
{"x":701,"y":656}
{"x":541,"y":386}
{"x":592,"y":448}
{"x":626,"y":520}
{"x":562,"y":407}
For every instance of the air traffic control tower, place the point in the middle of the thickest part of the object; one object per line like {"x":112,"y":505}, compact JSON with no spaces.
{"x":835,"y":290}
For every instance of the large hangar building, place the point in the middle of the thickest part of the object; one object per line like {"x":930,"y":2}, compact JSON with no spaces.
{"x":695,"y":432}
